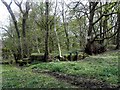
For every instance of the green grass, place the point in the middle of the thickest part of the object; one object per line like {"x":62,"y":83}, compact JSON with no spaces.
{"x":102,"y":67}
{"x":16,"y":78}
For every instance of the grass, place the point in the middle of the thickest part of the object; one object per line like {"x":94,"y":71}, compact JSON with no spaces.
{"x":103,"y":67}
{"x":16,"y":78}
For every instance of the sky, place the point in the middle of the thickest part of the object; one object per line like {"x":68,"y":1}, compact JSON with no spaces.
{"x":3,"y":16}
{"x":3,"y":13}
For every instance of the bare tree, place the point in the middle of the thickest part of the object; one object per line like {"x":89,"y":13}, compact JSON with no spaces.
{"x":92,"y":46}
{"x":92,"y":6}
{"x":22,"y":41}
{"x":8,"y":6}
{"x":65,"y":26}
{"x":58,"y":43}
{"x":24,"y":19}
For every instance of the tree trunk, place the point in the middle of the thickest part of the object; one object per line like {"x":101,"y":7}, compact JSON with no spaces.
{"x":88,"y":48}
{"x":101,"y":30}
{"x":25,"y":47}
{"x":25,"y":17}
{"x":57,"y":38}
{"x":58,"y":43}
{"x":46,"y":55}
{"x":118,"y":31}
{"x":65,"y":27}
{"x":92,"y":6}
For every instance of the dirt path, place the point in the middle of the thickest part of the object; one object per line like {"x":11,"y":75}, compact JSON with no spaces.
{"x":77,"y":81}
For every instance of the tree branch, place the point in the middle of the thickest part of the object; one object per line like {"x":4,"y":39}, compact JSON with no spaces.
{"x":104,"y":15}
{"x":10,"y":3}
{"x":27,"y":6}
{"x":74,"y":8}
{"x":94,"y":5}
{"x":108,"y":37}
{"x":103,"y":33}
{"x":19,"y":5}
{"x":13,"y":17}
{"x":7,"y":31}
{"x":114,"y":3}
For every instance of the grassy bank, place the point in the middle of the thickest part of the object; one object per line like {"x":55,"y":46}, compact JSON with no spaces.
{"x":103,"y":67}
{"x":16,"y":78}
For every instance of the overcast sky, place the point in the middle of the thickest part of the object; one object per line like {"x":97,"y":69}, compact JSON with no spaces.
{"x":3,"y":16}
{"x":3,"y":13}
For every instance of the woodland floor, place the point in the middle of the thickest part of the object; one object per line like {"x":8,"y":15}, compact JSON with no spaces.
{"x":79,"y":82}
{"x":100,"y":71}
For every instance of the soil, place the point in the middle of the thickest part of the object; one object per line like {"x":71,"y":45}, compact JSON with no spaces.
{"x":78,"y":81}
